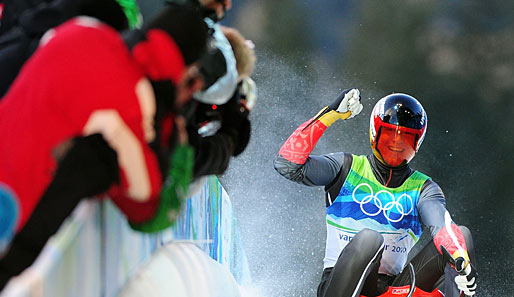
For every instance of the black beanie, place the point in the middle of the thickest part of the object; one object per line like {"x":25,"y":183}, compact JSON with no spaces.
{"x":107,"y":11}
{"x":185,"y":25}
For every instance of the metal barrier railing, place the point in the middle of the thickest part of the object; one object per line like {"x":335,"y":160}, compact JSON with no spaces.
{"x":95,"y":252}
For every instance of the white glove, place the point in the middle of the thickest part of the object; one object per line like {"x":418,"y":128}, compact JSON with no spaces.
{"x":248,"y":92}
{"x":467,"y":281}
{"x":351,"y":102}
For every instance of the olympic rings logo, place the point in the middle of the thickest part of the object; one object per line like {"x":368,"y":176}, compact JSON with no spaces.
{"x":386,"y":209}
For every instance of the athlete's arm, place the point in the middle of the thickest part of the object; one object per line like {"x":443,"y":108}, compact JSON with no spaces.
{"x":317,"y":170}
{"x":447,"y":235}
{"x":435,"y":216}
{"x":294,"y":161}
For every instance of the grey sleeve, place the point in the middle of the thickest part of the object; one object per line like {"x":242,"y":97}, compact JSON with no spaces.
{"x":317,"y":170}
{"x":432,"y":206}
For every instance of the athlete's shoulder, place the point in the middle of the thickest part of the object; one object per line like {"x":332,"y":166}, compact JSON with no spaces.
{"x":355,"y":160}
{"x":420,"y":175}
{"x":338,"y":157}
{"x":360,"y":158}
{"x":431,"y":191}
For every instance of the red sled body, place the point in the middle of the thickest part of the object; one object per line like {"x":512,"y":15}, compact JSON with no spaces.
{"x":404,"y":291}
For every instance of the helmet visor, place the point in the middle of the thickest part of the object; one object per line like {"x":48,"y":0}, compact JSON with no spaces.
{"x":396,"y":145}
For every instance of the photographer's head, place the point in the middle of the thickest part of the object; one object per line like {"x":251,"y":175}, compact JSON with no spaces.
{"x":170,"y":47}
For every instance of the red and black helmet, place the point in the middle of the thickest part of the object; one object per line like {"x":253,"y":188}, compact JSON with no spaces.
{"x":397,"y":128}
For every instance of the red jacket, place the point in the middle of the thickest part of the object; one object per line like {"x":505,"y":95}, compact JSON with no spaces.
{"x":81,"y":68}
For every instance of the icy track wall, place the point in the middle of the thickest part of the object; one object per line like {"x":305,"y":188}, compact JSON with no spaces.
{"x":95,"y":253}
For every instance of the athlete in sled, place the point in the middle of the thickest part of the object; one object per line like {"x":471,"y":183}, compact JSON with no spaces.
{"x":377,"y":204}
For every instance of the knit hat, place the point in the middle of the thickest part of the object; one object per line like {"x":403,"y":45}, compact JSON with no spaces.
{"x":186,"y":27}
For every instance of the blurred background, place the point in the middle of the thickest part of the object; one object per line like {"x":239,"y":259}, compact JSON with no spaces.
{"x":456,"y":57}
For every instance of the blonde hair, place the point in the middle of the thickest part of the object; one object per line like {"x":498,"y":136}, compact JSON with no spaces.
{"x":245,"y":55}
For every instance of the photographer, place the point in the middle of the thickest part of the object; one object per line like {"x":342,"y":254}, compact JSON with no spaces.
{"x":217,"y":118}
{"x":218,"y":132}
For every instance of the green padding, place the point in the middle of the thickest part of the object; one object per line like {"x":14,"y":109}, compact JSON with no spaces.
{"x":131,"y":10}
{"x":173,"y":192}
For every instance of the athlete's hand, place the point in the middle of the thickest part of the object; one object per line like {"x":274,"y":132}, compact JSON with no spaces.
{"x":466,"y":281}
{"x":347,"y":104}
